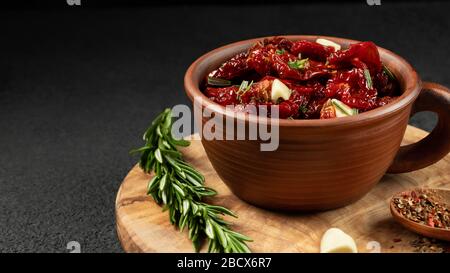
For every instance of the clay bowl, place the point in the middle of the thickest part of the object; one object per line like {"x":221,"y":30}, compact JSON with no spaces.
{"x":438,"y":233}
{"x":323,"y":164}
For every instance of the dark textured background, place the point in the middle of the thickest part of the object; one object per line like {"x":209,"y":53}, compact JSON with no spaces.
{"x":78,"y":87}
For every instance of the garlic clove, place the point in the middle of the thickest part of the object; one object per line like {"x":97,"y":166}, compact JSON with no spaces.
{"x":279,"y":90}
{"x":326,"y":42}
{"x":335,"y":240}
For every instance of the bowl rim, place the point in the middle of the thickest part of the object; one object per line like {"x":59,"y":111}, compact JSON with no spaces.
{"x":413,"y":85}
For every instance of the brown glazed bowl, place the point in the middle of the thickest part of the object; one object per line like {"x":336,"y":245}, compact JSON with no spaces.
{"x":325,"y":164}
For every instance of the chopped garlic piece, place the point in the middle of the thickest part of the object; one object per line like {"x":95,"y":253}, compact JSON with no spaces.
{"x":342,"y":109}
{"x":335,"y":240}
{"x":328,"y":110}
{"x":326,"y":42}
{"x":279,"y":90}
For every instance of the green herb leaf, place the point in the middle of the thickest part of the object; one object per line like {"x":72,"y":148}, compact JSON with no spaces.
{"x":389,"y":73}
{"x":186,"y":204}
{"x":221,"y":236}
{"x":179,"y":190}
{"x":303,"y":108}
{"x":152,"y":184}
{"x":368,"y":78}
{"x":158,"y":155}
{"x":209,"y":229}
{"x":223,"y":210}
{"x":280,"y":51}
{"x":162,"y":183}
{"x":299,"y":64}
{"x":244,"y":87}
{"x":218,"y":82}
{"x":135,"y":151}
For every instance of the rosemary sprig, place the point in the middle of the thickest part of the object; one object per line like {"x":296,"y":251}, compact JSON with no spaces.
{"x":180,"y":188}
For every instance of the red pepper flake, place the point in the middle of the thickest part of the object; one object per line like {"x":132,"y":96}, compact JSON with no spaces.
{"x":423,"y":207}
{"x":397,"y":240}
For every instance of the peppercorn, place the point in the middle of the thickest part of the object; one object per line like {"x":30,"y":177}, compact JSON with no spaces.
{"x":423,"y":207}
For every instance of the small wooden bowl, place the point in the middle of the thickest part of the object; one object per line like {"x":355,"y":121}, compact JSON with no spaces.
{"x":322,"y":164}
{"x":437,"y":233}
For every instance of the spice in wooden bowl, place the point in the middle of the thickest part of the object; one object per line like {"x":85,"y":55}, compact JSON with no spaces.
{"x":424,"y":207}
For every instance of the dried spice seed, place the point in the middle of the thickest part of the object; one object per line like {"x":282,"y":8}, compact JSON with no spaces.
{"x":423,"y":207}
{"x":426,"y":245}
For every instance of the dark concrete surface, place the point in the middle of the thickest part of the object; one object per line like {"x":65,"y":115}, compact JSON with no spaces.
{"x":79,"y":86}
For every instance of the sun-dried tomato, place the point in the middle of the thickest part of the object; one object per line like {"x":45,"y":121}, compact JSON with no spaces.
{"x":312,"y":72}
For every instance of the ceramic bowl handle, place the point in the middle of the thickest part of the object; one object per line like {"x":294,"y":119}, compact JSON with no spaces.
{"x":434,"y":98}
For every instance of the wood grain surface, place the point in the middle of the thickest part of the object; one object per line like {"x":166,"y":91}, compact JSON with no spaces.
{"x":143,"y":227}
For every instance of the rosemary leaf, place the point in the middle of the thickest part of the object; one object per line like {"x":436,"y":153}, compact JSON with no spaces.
{"x":299,"y":64}
{"x":218,"y":82}
{"x":368,"y":78}
{"x":158,"y":155}
{"x":209,"y":229}
{"x":388,"y":72}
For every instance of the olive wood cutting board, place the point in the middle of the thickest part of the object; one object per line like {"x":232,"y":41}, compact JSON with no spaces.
{"x":143,"y":227}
